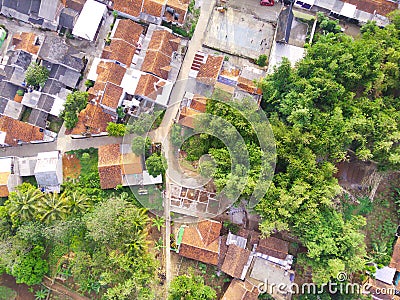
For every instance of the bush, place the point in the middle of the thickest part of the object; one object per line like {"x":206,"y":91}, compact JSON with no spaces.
{"x":115,"y":129}
{"x":20,"y":92}
{"x":7,"y":293}
{"x":75,"y":102}
{"x":89,"y":83}
{"x":262,"y":60}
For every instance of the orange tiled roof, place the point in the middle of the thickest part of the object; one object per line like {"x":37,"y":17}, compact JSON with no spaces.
{"x":76,"y":5}
{"x":128,"y":31}
{"x":382,"y":7}
{"x":4,"y":192}
{"x":130,"y":7}
{"x":18,"y":130}
{"x":92,"y":119}
{"x":180,"y":7}
{"x":119,"y":50}
{"x":274,"y":247}
{"x":159,"y":53}
{"x":147,"y":86}
{"x":201,"y":242}
{"x":248,"y":86}
{"x":199,"y":103}
{"x":186,"y":117}
{"x":25,"y":41}
{"x":112,"y":95}
{"x":239,"y":290}
{"x":395,"y":262}
{"x":109,"y":166}
{"x":131,"y":164}
{"x":153,"y":7}
{"x":235,"y":260}
{"x":210,"y":70}
{"x":110,"y":72}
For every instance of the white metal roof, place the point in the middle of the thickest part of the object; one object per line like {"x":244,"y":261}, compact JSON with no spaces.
{"x":348,"y":10}
{"x":89,"y":20}
{"x":47,"y":161}
{"x":386,"y":275}
{"x":5,"y":164}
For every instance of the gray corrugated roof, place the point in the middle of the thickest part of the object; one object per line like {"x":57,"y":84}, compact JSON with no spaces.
{"x":45,"y":102}
{"x":67,"y":18}
{"x":48,"y":9}
{"x":38,"y":118}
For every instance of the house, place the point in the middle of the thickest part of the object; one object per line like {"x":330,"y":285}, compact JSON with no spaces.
{"x":117,"y":165}
{"x":15,"y":132}
{"x":380,"y":291}
{"x":160,"y":52}
{"x":125,"y":40}
{"x":273,"y":246}
{"x":235,"y":262}
{"x":201,"y":242}
{"x":240,"y":290}
{"x":92,"y":120}
{"x":153,"y":11}
{"x":48,"y":171}
{"x":206,"y":67}
{"x":8,"y":177}
{"x":26,"y":41}
{"x":89,"y":20}
{"x":191,"y":106}
{"x":385,"y":275}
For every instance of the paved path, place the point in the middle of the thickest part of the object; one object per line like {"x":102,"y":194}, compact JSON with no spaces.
{"x":176,"y":96}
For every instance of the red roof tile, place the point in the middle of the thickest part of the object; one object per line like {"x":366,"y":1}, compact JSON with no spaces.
{"x":110,"y":72}
{"x":147,"y":86}
{"x":120,"y":51}
{"x":239,"y":290}
{"x":274,"y":247}
{"x":235,"y":260}
{"x":109,"y":166}
{"x":209,"y":71}
{"x":180,"y":7}
{"x":26,"y":41}
{"x":19,"y":131}
{"x":128,"y":31}
{"x":382,"y":7}
{"x":130,"y":7}
{"x":112,"y":95}
{"x":153,"y":7}
{"x":92,"y":119}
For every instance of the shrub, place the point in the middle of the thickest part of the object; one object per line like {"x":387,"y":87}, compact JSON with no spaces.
{"x":20,"y":92}
{"x":262,"y":60}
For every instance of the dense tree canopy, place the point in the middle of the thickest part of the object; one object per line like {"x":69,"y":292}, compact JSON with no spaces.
{"x":36,"y":75}
{"x":190,"y":287}
{"x":75,"y":102}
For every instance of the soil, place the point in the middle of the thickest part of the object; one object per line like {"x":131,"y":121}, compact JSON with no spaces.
{"x":21,"y":289}
{"x":71,"y":166}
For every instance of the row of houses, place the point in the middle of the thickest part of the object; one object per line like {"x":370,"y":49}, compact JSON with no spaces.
{"x":46,"y":167}
{"x":246,"y":257}
{"x":65,"y":65}
{"x":134,"y":73}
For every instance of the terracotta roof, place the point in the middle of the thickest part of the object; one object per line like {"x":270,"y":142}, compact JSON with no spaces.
{"x":119,"y":50}
{"x":201,"y":242}
{"x":3,"y":184}
{"x":395,"y":262}
{"x":209,"y":71}
{"x":130,"y":7}
{"x":159,"y":53}
{"x":248,"y":86}
{"x":110,"y":72}
{"x":199,"y":103}
{"x":109,"y":166}
{"x":4,"y":191}
{"x":18,"y":130}
{"x":382,"y":7}
{"x":112,"y":95}
{"x":180,"y":7}
{"x":92,"y":119}
{"x":147,"y":86}
{"x":153,"y":7}
{"x":235,"y":260}
{"x":25,"y":41}
{"x":239,"y":290}
{"x":274,"y":247}
{"x":76,"y":5}
{"x":128,"y":31}
{"x":376,"y":288}
{"x":131,"y":164}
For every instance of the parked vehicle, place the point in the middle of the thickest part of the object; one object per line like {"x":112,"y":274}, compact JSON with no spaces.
{"x":267,"y":2}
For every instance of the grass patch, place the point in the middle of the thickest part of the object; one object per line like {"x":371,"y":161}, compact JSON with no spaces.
{"x":7,"y":293}
{"x":350,"y":209}
{"x":55,"y":124}
{"x":26,"y":114}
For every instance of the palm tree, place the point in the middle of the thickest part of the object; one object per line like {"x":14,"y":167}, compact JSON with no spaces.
{"x":25,"y":204}
{"x":138,"y":243}
{"x":53,"y":207}
{"x":41,"y":294}
{"x":158,"y":222}
{"x":158,"y":245}
{"x":139,"y":219}
{"x":78,"y":203}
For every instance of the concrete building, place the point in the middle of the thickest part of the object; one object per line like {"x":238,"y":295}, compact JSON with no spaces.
{"x":48,"y":171}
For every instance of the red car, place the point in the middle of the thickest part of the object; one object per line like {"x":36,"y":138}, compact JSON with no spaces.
{"x":267,"y":2}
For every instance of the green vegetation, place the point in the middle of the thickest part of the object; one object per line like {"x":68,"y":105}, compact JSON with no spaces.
{"x":7,"y":293}
{"x":20,"y":92}
{"x":141,"y":145}
{"x":185,"y":287}
{"x":75,"y":102}
{"x":327,"y":25}
{"x":115,"y":129}
{"x":89,"y":83}
{"x":262,"y":60}
{"x":36,"y":75}
{"x":155,"y":164}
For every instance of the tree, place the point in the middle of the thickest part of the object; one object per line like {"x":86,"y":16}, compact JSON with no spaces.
{"x":191,"y":287}
{"x":141,"y":145}
{"x":78,"y":203}
{"x":115,"y":129}
{"x":155,"y":164}
{"x":23,"y":204}
{"x":176,"y":135}
{"x":36,"y":75}
{"x":30,"y":268}
{"x":262,"y":60}
{"x":53,"y":207}
{"x":158,"y":222}
{"x":141,"y":125}
{"x":74,"y":103}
